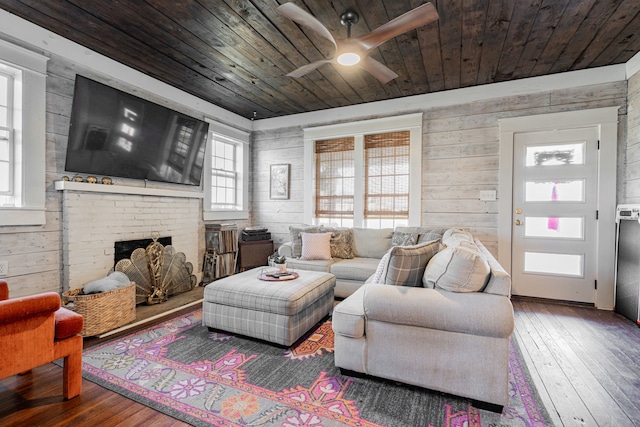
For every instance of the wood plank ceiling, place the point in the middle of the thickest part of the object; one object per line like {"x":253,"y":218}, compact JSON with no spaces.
{"x":236,"y":53}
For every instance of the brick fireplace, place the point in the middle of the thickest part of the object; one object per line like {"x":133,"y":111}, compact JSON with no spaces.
{"x":95,"y":216}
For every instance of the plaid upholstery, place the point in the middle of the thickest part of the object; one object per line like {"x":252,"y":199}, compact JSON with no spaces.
{"x":279,"y":312}
{"x":407,"y":263}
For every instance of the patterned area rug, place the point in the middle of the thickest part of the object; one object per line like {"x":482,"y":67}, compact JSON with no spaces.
{"x":207,"y":378}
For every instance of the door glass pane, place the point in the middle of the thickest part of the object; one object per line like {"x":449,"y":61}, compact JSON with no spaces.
{"x":560,"y":228}
{"x":554,"y":191}
{"x":554,"y":155}
{"x":548,"y":263}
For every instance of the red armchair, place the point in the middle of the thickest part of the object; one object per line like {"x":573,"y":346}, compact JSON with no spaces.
{"x":35,"y":330}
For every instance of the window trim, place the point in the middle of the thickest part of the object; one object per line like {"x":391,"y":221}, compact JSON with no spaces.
{"x":31,"y":139}
{"x":242,"y":138}
{"x":358,"y":129}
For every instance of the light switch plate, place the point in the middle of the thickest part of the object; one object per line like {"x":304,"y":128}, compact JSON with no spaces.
{"x":488,"y":195}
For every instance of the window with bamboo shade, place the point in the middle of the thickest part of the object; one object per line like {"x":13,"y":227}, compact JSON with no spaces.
{"x":386,"y":170}
{"x":364,"y":173}
{"x":335,"y":177}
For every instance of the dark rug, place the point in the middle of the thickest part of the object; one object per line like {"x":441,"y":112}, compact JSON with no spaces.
{"x":207,"y":378}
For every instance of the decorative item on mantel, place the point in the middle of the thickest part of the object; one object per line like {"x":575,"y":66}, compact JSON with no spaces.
{"x":92,"y":179}
{"x":106,"y":180}
{"x":78,"y":178}
{"x":159,"y":272}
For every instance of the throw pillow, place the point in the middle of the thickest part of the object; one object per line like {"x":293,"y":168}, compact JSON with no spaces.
{"x":454,"y":236}
{"x":430,"y":234}
{"x":407,"y":263}
{"x":457,"y":269}
{"x":400,"y":238}
{"x":296,"y":240}
{"x":316,"y":246}
{"x":382,"y":265}
{"x":341,"y":242}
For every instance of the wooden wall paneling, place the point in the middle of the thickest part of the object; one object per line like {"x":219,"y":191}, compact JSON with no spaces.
{"x":118,"y":44}
{"x":545,"y":23}
{"x":450,"y":41}
{"x":409,"y":65}
{"x":474,"y":24}
{"x":607,"y":45}
{"x":429,"y":42}
{"x":522,"y":21}
{"x":258,"y":30}
{"x":586,"y":35}
{"x":573,"y":16}
{"x":388,"y":53}
{"x":497,"y":24}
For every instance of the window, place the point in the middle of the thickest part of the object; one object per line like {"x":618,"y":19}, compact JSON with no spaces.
{"x":226,"y":184}
{"x":364,"y":174}
{"x":6,"y":138}
{"x":22,"y":147}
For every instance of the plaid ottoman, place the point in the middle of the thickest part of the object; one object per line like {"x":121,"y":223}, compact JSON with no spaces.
{"x":279,"y":312}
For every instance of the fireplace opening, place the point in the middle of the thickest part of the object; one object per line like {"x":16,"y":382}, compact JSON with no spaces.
{"x":125,"y":248}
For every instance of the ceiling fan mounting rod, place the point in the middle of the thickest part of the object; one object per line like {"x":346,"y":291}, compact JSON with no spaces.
{"x":348,"y":19}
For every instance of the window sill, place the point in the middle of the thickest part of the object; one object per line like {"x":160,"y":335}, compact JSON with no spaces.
{"x":224,"y":215}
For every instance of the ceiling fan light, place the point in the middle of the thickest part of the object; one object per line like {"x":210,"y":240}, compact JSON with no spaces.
{"x":348,"y":59}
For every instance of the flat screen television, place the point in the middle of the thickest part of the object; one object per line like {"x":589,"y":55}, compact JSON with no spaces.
{"x":116,"y":134}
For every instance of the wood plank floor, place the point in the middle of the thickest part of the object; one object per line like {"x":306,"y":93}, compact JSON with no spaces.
{"x":584,"y":362}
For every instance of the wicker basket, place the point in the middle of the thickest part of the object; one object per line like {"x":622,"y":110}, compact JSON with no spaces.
{"x":104,"y":311}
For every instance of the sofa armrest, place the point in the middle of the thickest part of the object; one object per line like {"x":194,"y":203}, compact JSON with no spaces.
{"x":286,"y":249}
{"x":474,"y":313}
{"x":348,"y":316}
{"x":16,"y":309}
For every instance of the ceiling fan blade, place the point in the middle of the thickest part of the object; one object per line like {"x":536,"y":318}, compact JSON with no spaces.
{"x":415,"y":18}
{"x":306,"y":69}
{"x":298,"y":15}
{"x":380,"y":71}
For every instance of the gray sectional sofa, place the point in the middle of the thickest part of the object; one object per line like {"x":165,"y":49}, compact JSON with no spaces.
{"x":436,"y":313}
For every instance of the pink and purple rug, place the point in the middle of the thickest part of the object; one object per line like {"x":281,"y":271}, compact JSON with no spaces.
{"x":204,"y":378}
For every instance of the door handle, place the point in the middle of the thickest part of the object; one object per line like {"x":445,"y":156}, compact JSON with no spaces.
{"x":518,"y":222}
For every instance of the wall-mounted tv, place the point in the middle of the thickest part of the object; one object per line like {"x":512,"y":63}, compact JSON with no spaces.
{"x":116,"y":134}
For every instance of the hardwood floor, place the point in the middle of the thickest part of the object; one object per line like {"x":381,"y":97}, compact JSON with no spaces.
{"x":584,"y":362}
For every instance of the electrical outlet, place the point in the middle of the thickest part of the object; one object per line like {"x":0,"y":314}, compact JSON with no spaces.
{"x":4,"y":268}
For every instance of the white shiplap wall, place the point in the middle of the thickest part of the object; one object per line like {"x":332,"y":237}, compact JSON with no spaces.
{"x":459,"y":157}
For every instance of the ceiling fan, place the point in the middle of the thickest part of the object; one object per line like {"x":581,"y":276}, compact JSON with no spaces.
{"x":355,"y":51}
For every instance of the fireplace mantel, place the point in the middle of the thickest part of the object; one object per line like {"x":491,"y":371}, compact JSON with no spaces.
{"x":122,"y":189}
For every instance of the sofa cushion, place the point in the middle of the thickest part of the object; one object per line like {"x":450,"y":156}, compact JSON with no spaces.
{"x":454,"y":236}
{"x":371,"y":242}
{"x":400,"y":238}
{"x":348,"y":316}
{"x":296,"y":238}
{"x":355,"y":268}
{"x":376,"y":277}
{"x":316,"y":246}
{"x":406,"y":264}
{"x":461,"y":268}
{"x":341,"y":242}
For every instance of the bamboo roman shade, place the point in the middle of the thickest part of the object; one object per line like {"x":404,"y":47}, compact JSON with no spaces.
{"x":387,"y":175}
{"x":335,"y":178}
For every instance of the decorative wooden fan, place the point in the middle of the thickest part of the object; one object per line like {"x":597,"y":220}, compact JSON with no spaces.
{"x":159,"y":272}
{"x":355,"y":51}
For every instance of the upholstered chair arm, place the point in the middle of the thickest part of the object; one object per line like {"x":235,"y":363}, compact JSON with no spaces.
{"x":4,"y":290}
{"x":12,"y":310}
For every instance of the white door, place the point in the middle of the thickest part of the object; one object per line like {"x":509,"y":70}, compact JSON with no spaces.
{"x":554,"y":214}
